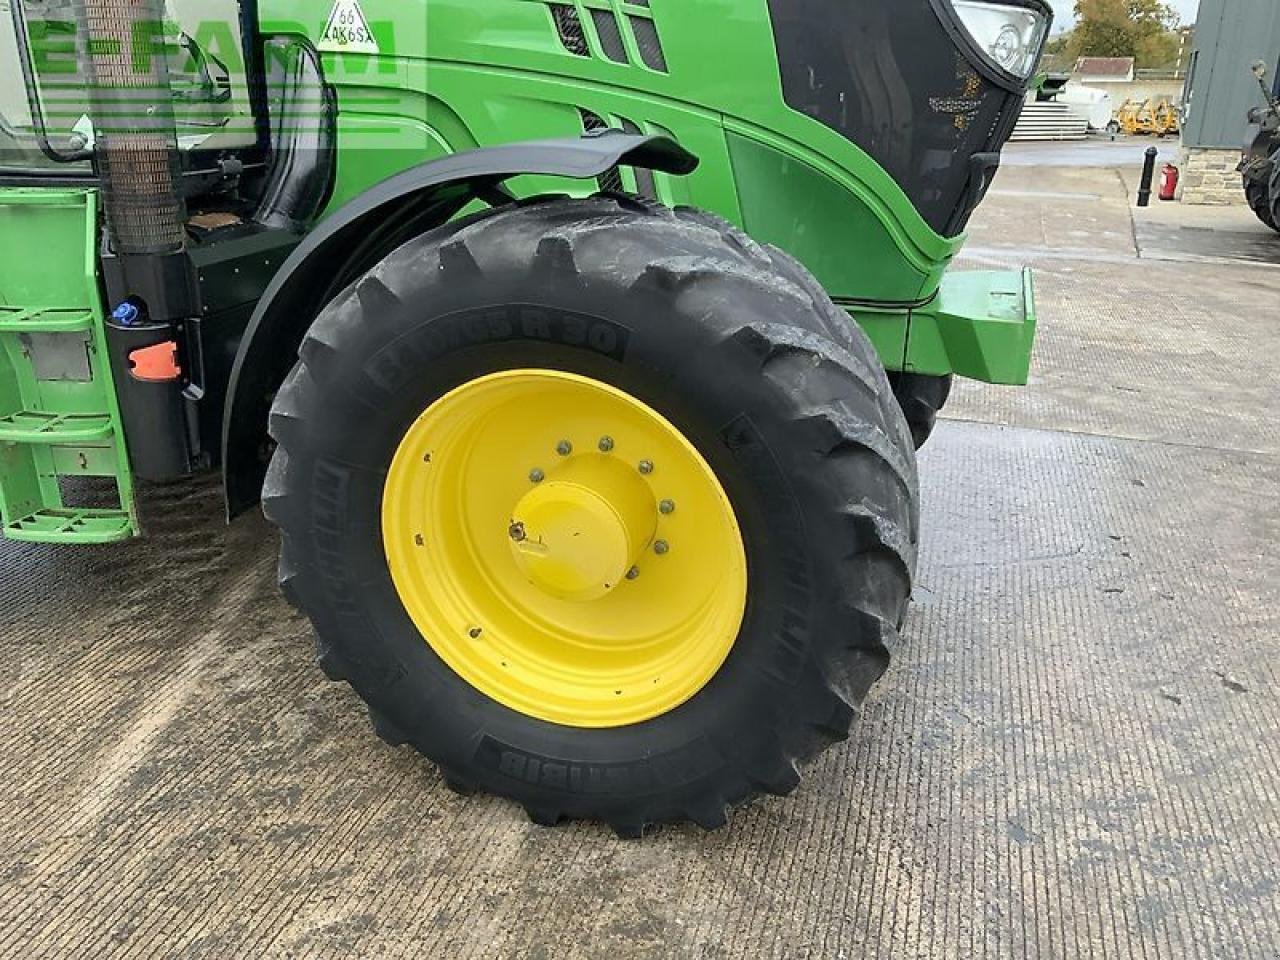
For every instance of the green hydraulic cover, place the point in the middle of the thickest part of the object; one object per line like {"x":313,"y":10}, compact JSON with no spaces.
{"x":58,"y":413}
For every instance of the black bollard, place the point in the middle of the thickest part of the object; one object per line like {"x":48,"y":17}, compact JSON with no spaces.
{"x":1148,"y":174}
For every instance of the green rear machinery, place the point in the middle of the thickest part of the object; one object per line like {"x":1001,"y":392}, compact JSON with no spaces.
{"x":579,"y":349}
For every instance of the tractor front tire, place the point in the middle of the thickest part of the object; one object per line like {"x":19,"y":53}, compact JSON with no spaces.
{"x":510,"y":413}
{"x":922,"y":398}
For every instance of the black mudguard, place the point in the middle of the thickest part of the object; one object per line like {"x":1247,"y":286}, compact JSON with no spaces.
{"x":361,"y":234}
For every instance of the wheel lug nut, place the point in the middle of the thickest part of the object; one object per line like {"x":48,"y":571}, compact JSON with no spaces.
{"x":606,"y":444}
{"x":661,"y":547}
{"x":633,"y":573}
{"x":646,"y":467}
{"x":564,"y":448}
{"x":667,"y":507}
{"x":517,"y":533}
{"x":536,"y":476}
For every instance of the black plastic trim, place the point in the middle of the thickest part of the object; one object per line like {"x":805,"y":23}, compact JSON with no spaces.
{"x":253,"y":45}
{"x":303,"y":169}
{"x":160,"y":444}
{"x":894,"y":306}
{"x":362,"y":233}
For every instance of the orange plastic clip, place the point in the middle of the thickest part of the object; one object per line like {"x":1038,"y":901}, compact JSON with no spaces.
{"x":155,"y":364}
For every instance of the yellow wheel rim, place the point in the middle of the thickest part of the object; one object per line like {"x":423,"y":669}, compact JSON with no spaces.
{"x":564,"y":549}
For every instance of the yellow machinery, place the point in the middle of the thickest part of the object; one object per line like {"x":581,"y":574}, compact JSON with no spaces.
{"x":1148,"y":118}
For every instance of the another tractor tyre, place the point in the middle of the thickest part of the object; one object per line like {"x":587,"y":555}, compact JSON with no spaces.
{"x":1260,"y":202}
{"x":587,"y":508}
{"x":922,"y":398}
{"x":1274,"y":199}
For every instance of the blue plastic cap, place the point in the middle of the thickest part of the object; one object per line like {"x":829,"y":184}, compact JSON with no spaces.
{"x":126,"y":314}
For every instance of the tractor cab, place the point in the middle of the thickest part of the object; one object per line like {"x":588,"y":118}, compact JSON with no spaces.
{"x":45,"y":104}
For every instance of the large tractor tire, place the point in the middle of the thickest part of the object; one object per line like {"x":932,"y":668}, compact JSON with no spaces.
{"x":1260,"y":202}
{"x":922,"y":398}
{"x":587,"y":506}
{"x":1274,"y":198}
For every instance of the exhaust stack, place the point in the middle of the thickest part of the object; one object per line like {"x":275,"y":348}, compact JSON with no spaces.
{"x":131,"y":106}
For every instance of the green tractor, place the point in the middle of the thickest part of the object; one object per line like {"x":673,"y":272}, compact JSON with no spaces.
{"x":579,"y":349}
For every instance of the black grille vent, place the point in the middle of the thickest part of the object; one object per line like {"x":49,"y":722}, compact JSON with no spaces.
{"x":608,"y":29}
{"x":646,"y":186}
{"x":610,"y":35}
{"x":569,"y":26}
{"x":592,"y":121}
{"x":649,"y":44}
{"x":611,"y":180}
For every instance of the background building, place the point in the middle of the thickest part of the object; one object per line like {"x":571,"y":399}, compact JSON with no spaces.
{"x":1103,"y":70}
{"x":1220,"y":90}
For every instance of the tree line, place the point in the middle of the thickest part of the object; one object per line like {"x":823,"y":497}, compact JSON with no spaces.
{"x":1143,"y":29}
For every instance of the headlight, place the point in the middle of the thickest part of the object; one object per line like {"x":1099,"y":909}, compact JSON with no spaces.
{"x":1013,"y":37}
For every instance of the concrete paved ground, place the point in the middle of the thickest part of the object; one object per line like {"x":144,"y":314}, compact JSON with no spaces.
{"x":1075,"y":754}
{"x":1097,"y":151}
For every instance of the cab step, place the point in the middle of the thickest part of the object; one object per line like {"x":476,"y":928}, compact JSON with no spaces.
{"x":88,"y":526}
{"x":59,"y":419}
{"x":35,"y":426}
{"x":18,"y":320}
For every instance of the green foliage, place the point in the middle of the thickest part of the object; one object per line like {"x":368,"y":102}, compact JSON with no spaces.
{"x":1143,"y":29}
{"x":1058,"y":46}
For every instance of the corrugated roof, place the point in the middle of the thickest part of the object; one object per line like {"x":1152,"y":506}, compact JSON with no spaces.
{"x":1118,"y":67}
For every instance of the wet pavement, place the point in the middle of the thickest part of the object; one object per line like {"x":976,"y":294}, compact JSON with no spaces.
{"x":1075,"y":753}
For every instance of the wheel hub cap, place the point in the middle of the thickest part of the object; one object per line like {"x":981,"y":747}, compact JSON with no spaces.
{"x":576,"y":535}
{"x":564,"y":549}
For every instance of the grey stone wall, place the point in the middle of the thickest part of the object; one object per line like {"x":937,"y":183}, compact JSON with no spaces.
{"x":1209,"y":176}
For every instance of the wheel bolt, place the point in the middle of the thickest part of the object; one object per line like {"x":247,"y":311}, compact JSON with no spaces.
{"x":517,"y":533}
{"x":536,"y":476}
{"x":606,"y":444}
{"x":661,"y":547}
{"x":564,"y":448}
{"x":646,"y":467}
{"x":633,"y":573}
{"x":667,"y":507}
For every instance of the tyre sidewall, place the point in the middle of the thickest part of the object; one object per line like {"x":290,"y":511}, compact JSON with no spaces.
{"x":379,"y":382}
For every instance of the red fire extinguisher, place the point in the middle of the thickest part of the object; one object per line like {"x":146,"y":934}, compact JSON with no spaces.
{"x":1168,"y":182}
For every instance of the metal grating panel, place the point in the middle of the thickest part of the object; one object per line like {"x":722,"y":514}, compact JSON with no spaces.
{"x":611,"y":180}
{"x":646,"y":185}
{"x":649,"y":43}
{"x":610,"y":35}
{"x":569,"y":26}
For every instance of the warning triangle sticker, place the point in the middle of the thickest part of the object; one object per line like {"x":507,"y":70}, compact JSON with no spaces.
{"x":347,"y":30}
